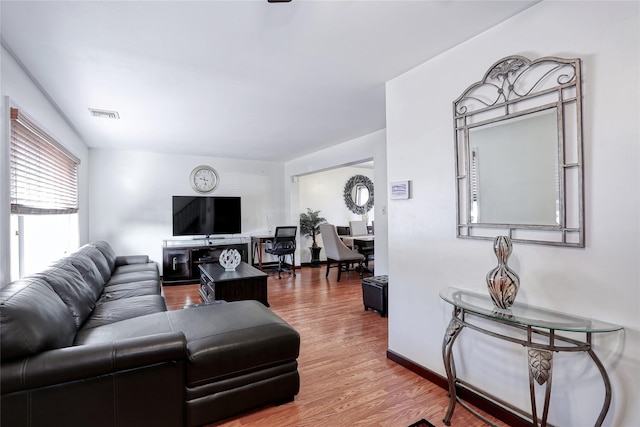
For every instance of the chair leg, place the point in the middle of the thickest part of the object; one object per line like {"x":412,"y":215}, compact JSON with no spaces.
{"x":293,"y":264}
{"x":339,"y":270}
{"x":361,"y":269}
{"x":328,"y":263}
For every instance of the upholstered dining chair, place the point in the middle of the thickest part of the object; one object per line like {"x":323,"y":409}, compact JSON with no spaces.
{"x":283,"y":244}
{"x":337,"y":251}
{"x":358,"y":228}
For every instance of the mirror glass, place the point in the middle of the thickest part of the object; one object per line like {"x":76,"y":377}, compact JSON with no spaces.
{"x":358,"y":194}
{"x":518,"y":148}
{"x":514,"y":171}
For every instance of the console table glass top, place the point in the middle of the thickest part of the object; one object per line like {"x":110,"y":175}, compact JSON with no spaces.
{"x":523,"y":314}
{"x":538,"y":321}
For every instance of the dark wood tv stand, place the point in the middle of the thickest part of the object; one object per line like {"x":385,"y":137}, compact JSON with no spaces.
{"x":181,"y":258}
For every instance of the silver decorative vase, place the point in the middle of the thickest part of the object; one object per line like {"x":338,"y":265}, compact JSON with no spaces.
{"x":503,"y":282}
{"x":230,"y":259}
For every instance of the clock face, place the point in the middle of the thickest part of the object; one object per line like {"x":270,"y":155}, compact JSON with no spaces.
{"x":204,"y":179}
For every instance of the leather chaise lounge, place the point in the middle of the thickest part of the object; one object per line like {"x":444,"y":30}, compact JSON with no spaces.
{"x":89,"y":341}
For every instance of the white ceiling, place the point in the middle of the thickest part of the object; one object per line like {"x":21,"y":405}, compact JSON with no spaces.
{"x":239,"y":79}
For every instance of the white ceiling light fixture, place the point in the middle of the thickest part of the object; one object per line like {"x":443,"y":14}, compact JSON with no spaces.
{"x":105,"y":114}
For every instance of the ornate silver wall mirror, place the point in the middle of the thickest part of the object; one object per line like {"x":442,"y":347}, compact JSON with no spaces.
{"x":518,"y":146}
{"x":358,"y":194}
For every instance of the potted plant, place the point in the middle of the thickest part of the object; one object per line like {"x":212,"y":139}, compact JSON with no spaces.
{"x":309,"y":223}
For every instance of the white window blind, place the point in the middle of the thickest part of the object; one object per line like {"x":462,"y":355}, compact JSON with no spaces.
{"x":44,"y":175}
{"x":474,"y":175}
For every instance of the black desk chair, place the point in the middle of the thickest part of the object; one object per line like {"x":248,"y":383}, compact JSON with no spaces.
{"x":343,"y":231}
{"x":366,"y":248}
{"x":283,"y":244}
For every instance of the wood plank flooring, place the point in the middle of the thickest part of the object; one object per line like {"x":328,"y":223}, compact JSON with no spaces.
{"x":346,"y":378}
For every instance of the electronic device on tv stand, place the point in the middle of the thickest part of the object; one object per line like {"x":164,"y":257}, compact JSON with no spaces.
{"x":206,"y":215}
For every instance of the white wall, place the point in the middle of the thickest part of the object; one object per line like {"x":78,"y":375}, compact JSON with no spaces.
{"x":17,"y":85}
{"x":324,"y":191}
{"x":130,"y":201}
{"x":600,"y":281}
{"x":367,"y":147}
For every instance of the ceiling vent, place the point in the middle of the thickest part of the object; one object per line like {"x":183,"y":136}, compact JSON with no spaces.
{"x":104,"y":114}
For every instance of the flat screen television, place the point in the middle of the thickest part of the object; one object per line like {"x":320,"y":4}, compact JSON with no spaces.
{"x":205,"y":216}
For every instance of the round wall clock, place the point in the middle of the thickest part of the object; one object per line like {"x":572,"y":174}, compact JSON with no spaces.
{"x":204,"y":179}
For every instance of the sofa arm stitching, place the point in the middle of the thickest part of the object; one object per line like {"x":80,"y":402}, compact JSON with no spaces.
{"x":23,"y":372}
{"x":23,"y":380}
{"x":30,"y":407}
{"x":114,"y":382}
{"x":171,"y":326}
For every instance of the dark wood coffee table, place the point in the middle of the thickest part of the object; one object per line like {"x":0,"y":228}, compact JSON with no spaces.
{"x":246,"y":282}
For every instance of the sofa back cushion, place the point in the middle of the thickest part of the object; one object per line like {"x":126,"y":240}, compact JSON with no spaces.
{"x":107,"y":251}
{"x":88,"y":270}
{"x":67,"y":282}
{"x":98,"y":259}
{"x":33,"y":319}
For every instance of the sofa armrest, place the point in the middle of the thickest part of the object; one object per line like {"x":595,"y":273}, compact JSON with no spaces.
{"x":131,"y":259}
{"x":68,"y":364}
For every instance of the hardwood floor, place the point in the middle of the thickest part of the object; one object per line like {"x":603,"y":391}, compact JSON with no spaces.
{"x":346,"y":378}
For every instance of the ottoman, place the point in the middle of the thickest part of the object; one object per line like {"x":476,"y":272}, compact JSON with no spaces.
{"x":375,"y":294}
{"x":239,"y":355}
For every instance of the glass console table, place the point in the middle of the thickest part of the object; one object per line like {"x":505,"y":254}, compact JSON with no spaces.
{"x":537,"y":329}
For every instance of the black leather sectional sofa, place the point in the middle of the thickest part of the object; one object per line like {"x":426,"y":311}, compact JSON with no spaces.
{"x":89,"y":341}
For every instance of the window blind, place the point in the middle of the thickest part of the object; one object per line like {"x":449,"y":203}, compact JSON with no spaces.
{"x":44,"y":175}
{"x":474,"y":175}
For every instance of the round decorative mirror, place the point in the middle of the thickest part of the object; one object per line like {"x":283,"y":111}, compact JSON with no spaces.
{"x":358,"y":194}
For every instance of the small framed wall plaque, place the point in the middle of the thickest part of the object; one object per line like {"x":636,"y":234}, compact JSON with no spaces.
{"x":399,"y":190}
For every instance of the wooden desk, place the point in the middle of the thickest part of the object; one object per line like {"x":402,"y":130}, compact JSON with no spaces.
{"x":256,"y":245}
{"x":245,"y":283}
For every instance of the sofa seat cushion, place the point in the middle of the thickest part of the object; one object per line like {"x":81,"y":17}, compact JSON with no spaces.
{"x":132,"y":268}
{"x":122,"y":309}
{"x":29,"y":325}
{"x":128,"y":290}
{"x":133,"y":276}
{"x":223,"y":340}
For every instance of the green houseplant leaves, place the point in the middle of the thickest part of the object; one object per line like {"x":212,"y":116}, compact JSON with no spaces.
{"x":309,"y":223}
